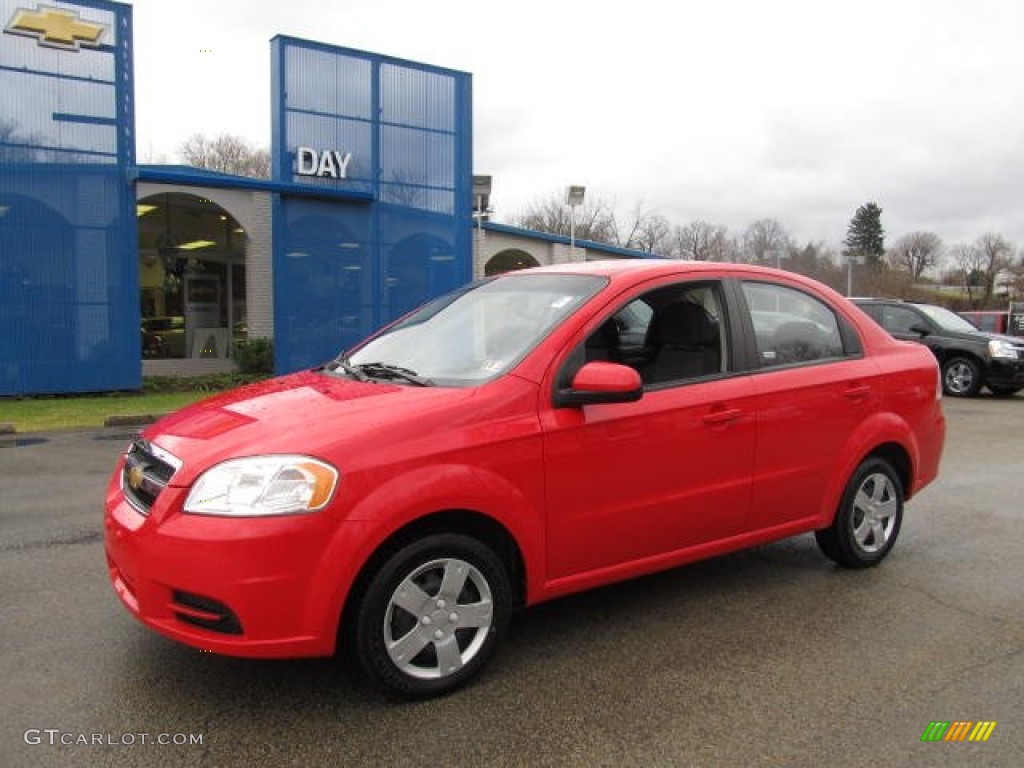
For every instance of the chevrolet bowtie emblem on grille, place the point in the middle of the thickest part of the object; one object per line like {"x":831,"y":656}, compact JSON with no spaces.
{"x":135,"y":477}
{"x":56,"y":28}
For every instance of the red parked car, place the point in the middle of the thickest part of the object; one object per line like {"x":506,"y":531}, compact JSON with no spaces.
{"x":990,"y":321}
{"x":529,"y":436}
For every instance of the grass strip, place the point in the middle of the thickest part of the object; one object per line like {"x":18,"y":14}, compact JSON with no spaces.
{"x":44,"y":414}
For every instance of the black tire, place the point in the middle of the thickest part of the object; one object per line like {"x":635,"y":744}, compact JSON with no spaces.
{"x":868,"y":519}
{"x":1004,"y":391}
{"x":961,"y":377}
{"x":432,"y":615}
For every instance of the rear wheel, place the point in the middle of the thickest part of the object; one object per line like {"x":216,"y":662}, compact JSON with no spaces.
{"x":432,"y":615}
{"x":868,"y":519}
{"x":961,"y":377}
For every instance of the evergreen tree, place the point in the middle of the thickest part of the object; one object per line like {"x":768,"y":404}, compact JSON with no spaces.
{"x":865,"y":237}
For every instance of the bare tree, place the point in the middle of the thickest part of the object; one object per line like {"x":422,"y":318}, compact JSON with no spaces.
{"x":766,"y":240}
{"x":17,"y":146}
{"x":916,"y":253}
{"x":596,"y":221}
{"x":970,"y":269}
{"x":703,"y":241}
{"x":645,"y":231}
{"x":227,"y":154}
{"x":996,"y":255}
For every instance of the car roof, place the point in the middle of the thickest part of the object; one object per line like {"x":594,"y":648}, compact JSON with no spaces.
{"x":645,"y":268}
{"x":637,"y":271}
{"x":878,"y":300}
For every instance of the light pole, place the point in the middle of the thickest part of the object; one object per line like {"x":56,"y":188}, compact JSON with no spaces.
{"x":482,"y":198}
{"x":850,"y":258}
{"x":573,"y":198}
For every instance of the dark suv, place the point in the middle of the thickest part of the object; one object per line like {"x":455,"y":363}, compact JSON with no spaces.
{"x":970,"y":359}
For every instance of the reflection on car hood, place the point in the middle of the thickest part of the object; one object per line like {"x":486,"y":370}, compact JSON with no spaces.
{"x":287,"y":415}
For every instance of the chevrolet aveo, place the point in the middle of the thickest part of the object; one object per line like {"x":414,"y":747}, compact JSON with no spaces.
{"x":525,"y":437}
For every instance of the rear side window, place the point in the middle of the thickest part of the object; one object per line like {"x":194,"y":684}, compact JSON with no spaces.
{"x":791,"y":327}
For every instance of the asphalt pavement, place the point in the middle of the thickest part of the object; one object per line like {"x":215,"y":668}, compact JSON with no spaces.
{"x":770,"y":657}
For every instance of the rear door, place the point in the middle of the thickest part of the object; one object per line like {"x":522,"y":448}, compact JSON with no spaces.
{"x":813,"y":388}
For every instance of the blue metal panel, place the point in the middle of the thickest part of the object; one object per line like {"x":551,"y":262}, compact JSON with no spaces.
{"x":419,"y":97}
{"x":69,"y":305}
{"x":325,"y":296}
{"x":344,"y":269}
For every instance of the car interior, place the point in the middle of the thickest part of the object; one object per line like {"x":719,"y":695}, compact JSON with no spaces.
{"x":670,"y":334}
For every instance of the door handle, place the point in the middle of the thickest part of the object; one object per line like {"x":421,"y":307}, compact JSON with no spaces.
{"x":721,"y":418}
{"x":858,"y":392}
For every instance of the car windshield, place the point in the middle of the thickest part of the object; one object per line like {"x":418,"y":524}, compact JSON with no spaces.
{"x":474,"y":334}
{"x":947,"y":319}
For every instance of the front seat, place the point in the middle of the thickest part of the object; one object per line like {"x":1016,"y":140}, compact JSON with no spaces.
{"x":686,"y":343}
{"x":603,"y":344}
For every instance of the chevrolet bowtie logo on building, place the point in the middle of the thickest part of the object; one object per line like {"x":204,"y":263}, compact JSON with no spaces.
{"x":56,"y":28}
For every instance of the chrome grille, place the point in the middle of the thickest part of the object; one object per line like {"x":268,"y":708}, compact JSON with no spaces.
{"x":147,"y":471}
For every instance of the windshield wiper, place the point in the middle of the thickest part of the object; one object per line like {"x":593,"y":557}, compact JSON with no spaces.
{"x":388,"y":371}
{"x":347,"y":369}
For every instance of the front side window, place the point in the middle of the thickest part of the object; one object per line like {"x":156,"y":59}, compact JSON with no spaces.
{"x":791,"y":326}
{"x":946,"y":319}
{"x":671,"y":334}
{"x":477,"y":333}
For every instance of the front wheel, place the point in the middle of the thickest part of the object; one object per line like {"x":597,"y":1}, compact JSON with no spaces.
{"x":961,"y":377}
{"x":868,"y":519}
{"x":432,"y":615}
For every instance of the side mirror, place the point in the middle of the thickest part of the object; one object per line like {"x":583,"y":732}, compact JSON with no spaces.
{"x":601,"y":382}
{"x":921,"y":329}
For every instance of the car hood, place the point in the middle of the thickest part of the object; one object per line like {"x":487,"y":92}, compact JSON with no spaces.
{"x":982,"y":337}
{"x":1015,"y":340}
{"x":310,"y":413}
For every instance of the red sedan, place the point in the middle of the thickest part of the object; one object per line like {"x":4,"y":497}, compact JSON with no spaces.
{"x":526,"y":437}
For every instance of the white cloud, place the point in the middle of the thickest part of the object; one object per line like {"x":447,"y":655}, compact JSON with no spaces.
{"x":730,"y":111}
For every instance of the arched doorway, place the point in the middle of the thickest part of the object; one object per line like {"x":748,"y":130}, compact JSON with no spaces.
{"x":508,"y":261}
{"x":192,"y":285}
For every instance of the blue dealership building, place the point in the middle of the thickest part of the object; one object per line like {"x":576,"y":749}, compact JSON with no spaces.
{"x":110,"y":270}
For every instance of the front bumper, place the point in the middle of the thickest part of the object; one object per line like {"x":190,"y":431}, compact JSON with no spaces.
{"x":242,"y":587}
{"x":1005,"y":373}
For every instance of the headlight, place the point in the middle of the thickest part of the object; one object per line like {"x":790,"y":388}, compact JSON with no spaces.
{"x":1002,"y":349}
{"x":263,"y":485}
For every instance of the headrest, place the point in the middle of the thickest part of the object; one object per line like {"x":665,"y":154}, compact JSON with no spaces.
{"x":686,"y":324}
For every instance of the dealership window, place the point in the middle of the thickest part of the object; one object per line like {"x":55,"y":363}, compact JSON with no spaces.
{"x":191,"y":277}
{"x":509,"y":261}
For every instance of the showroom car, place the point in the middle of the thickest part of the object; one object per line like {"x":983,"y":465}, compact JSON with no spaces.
{"x":528,"y":436}
{"x":970,"y":358}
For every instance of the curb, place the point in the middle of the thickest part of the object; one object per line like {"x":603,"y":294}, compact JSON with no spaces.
{"x":9,"y":434}
{"x":133,"y":420}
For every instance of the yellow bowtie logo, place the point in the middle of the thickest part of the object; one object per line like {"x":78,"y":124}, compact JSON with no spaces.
{"x":56,"y":28}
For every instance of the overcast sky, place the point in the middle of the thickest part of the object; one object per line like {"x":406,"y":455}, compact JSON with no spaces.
{"x":724,"y":110}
